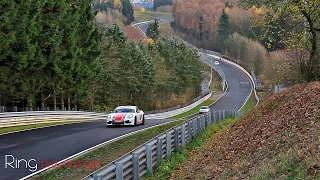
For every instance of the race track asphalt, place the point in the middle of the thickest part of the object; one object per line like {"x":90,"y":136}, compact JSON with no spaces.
{"x":55,"y":143}
{"x":60,"y":142}
{"x":239,"y":86}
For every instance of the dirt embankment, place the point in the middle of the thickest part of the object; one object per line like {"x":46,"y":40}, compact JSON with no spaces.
{"x":280,"y":139}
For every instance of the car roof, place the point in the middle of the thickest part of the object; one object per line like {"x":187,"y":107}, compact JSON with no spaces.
{"x":204,"y":106}
{"x":129,"y":107}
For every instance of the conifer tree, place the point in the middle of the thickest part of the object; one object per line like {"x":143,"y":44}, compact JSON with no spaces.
{"x":127,"y":11}
{"x":153,"y":30}
{"x":223,"y":28}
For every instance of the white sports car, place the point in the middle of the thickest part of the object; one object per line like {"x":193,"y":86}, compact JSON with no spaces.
{"x":125,"y":115}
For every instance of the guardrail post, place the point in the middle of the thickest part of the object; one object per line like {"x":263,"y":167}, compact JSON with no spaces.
{"x":220,"y":116}
{"x":183,"y":135}
{"x":194,"y":130}
{"x":207,"y":120}
{"x":213,"y":116}
{"x":168,"y":144}
{"x":15,"y":108}
{"x":159,"y":150}
{"x":176,"y":139}
{"x":119,"y":170}
{"x":190,"y":130}
{"x":149,"y":157}
{"x":217,"y":116}
{"x":209,"y":117}
{"x":223,"y":114}
{"x":135,"y":165}
{"x":96,"y":177}
{"x":199,"y":125}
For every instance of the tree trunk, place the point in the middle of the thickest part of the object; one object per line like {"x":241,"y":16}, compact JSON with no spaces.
{"x":29,"y":102}
{"x":312,"y":64}
{"x":62,"y":101}
{"x":42,"y":102}
{"x":75,"y":102}
{"x":69,"y":106}
{"x":54,"y":102}
{"x":313,"y":59}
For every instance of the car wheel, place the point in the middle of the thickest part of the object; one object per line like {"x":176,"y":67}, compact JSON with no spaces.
{"x":135,"y":121}
{"x":143,"y":120}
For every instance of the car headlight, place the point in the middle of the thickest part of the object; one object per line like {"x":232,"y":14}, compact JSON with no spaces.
{"x":108,"y":117}
{"x":130,"y":116}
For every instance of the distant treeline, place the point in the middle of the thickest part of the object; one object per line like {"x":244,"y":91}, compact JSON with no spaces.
{"x":123,"y":6}
{"x":53,"y":54}
{"x":157,"y":3}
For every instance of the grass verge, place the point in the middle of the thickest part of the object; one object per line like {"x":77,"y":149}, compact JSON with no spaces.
{"x":249,"y":105}
{"x":148,"y":15}
{"x":216,"y":81}
{"x":103,"y":155}
{"x":209,"y":101}
{"x":168,"y":166}
{"x":34,"y":126}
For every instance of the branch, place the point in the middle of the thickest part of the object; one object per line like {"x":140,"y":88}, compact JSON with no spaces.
{"x":316,"y":29}
{"x":307,"y":16}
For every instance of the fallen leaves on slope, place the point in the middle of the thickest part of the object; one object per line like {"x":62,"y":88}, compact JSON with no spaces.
{"x":285,"y":127}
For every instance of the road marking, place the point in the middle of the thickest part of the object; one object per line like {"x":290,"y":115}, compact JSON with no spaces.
{"x":92,"y":148}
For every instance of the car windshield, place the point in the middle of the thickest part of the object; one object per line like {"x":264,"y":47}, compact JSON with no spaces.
{"x":124,"y":110}
{"x":204,"y":107}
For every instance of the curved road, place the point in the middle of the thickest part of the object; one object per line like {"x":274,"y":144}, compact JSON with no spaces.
{"x":239,"y":86}
{"x":60,"y":142}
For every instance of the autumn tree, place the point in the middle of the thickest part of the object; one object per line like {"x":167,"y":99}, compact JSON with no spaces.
{"x":301,"y":31}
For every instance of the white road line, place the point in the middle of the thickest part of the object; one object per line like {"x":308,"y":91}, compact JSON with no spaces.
{"x":92,"y":148}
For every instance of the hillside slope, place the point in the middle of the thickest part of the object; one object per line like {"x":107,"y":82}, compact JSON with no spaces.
{"x":278,"y":140}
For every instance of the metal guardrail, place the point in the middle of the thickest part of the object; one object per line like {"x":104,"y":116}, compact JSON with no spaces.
{"x":176,"y":107}
{"x":9,"y":119}
{"x":143,"y":159}
{"x":34,"y":117}
{"x":177,"y":111}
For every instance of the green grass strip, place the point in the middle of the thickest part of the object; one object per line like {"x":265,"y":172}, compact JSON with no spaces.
{"x":249,"y":105}
{"x":104,"y":154}
{"x":208,"y":102}
{"x":32,"y":126}
{"x":149,"y":15}
{"x":177,"y":158}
